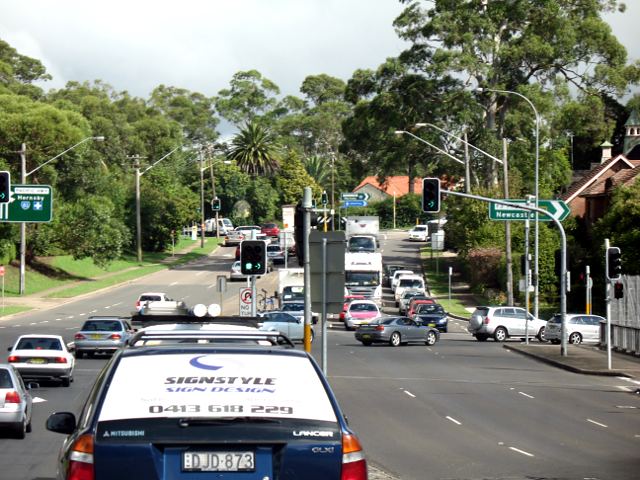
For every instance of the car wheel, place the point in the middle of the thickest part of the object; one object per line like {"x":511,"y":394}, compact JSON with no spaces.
{"x":366,"y":343}
{"x":481,"y":337}
{"x":20,"y":430}
{"x":347,"y":327}
{"x":28,"y":429}
{"x":66,"y":381}
{"x":395,"y":339}
{"x":431,"y":338}
{"x":541,"y":335}
{"x":313,"y":335}
{"x":575,"y":338}
{"x":78,"y":354}
{"x":500,"y":335}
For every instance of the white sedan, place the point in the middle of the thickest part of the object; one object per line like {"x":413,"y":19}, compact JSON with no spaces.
{"x":42,"y":357}
{"x":419,"y":233}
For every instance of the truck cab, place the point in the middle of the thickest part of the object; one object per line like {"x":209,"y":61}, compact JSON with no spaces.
{"x":363,"y":275}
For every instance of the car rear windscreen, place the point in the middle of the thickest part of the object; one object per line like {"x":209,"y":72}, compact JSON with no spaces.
{"x":216,"y":385}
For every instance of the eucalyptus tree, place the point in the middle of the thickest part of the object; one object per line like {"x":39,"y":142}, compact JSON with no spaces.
{"x":255,"y":150}
{"x":249,"y":96}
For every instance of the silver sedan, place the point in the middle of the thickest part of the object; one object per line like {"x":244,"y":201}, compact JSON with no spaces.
{"x":396,"y":331}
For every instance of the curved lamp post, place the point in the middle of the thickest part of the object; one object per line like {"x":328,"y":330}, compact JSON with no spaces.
{"x":536,"y":194}
{"x":23,"y":177}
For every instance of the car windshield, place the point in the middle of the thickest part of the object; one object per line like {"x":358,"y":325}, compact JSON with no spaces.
{"x":150,"y":298}
{"x":406,"y":295}
{"x":410,"y":283}
{"x":292,"y":307}
{"x":419,"y":229}
{"x":361,"y":278}
{"x":363,"y":307}
{"x":33,"y":343}
{"x":273,"y":248}
{"x":102,"y":326}
{"x":430,"y":308}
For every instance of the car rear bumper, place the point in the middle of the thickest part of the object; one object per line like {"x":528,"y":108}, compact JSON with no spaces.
{"x":43,"y":373}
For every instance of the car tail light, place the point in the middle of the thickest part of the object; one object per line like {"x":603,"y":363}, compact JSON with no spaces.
{"x":12,"y":397}
{"x":79,"y":336}
{"x":380,"y":328}
{"x":486,"y":320}
{"x":115,"y":336}
{"x":13,"y":359}
{"x":354,"y":465}
{"x":60,"y":360}
{"x":81,"y":459}
{"x":138,"y":304}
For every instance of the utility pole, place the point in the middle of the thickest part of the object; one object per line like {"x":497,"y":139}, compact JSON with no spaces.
{"x":136,"y":165}
{"x":23,"y":225}
{"x":202,"y":201}
{"x":467,"y":167}
{"x":507,"y":226}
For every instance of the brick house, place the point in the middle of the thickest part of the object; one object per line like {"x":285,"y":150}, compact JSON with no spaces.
{"x":396,"y":185}
{"x":590,"y":194}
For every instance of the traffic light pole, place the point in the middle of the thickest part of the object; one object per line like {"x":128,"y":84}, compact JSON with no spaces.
{"x":563,"y":260}
{"x":608,"y":302}
{"x":307,"y":205}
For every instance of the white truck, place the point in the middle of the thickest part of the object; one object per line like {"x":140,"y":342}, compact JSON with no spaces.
{"x":367,"y":225}
{"x":290,"y":285}
{"x":363,"y":275}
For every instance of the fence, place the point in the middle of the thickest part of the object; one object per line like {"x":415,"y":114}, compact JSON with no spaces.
{"x":625,"y":318}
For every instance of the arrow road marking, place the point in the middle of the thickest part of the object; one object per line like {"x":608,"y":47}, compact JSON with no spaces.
{"x":597,"y":423}
{"x":522,"y":452}
{"x":38,"y":400}
{"x":453,"y":420}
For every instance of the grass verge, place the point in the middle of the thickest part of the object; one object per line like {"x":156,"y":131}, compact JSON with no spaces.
{"x":11,"y":309}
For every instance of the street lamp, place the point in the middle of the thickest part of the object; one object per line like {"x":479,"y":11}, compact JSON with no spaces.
{"x":24,"y":175}
{"x":536,"y":290}
{"x":404,"y":132}
{"x":137,"y":159}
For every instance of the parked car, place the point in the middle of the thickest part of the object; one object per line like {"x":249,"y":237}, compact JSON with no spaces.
{"x":151,"y":297}
{"x":15,"y":401}
{"x":236,"y":273}
{"x":432,"y":315}
{"x":209,"y":404}
{"x":580,"y":328}
{"x":396,"y":275}
{"x":101,"y":335}
{"x":396,"y":331}
{"x":42,"y":357}
{"x":284,"y":323}
{"x":501,"y":323}
{"x":388,"y":273}
{"x":419,"y":233}
{"x":359,"y":312}
{"x":405,"y":298}
{"x":270,"y":229}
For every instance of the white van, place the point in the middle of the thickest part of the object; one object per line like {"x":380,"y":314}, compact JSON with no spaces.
{"x":408,"y":282}
{"x":224,"y":225}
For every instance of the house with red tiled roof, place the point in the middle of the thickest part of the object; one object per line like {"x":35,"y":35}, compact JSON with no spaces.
{"x":590,"y":195}
{"x":395,"y":185}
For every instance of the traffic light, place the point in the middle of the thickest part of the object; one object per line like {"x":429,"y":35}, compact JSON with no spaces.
{"x":216,"y":204}
{"x":5,"y":186}
{"x":325,"y":198}
{"x":431,"y":195}
{"x":299,"y":232}
{"x":614,"y":263}
{"x":618,"y":290}
{"x":253,"y":257}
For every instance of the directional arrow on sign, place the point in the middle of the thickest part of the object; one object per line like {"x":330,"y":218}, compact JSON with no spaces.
{"x":354,"y":203}
{"x":556,"y":209}
{"x":355,"y":196}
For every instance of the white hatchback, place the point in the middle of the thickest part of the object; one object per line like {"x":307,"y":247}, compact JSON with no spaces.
{"x":419,"y":233}
{"x":580,"y":328}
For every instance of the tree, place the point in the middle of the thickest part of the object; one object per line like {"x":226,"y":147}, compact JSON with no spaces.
{"x":319,"y":169}
{"x":250,"y":95}
{"x":255,"y":150}
{"x":18,"y":72}
{"x":292,"y":178}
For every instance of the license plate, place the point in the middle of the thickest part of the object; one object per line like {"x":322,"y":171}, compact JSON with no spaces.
{"x":218,"y":461}
{"x":38,"y":361}
{"x":366,"y":335}
{"x":95,"y":337}
{"x":432,"y":324}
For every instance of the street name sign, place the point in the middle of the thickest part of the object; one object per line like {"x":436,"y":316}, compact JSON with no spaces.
{"x":355,"y":196}
{"x":557,"y":209}
{"x":354,"y":203}
{"x":29,"y":203}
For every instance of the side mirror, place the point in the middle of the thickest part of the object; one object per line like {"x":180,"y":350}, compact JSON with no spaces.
{"x":62,"y":422}
{"x":9,"y":349}
{"x":31,"y":385}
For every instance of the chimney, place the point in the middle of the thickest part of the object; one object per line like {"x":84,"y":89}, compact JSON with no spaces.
{"x":606,"y":151}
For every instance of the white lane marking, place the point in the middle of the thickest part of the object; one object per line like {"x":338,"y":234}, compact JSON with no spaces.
{"x":631,"y":407}
{"x":38,"y":400}
{"x":597,"y":423}
{"x":453,"y":420}
{"x":526,"y":395}
{"x":45,"y":321}
{"x":522,"y":452}
{"x":199,"y":273}
{"x":409,"y":393}
{"x":58,"y":319}
{"x":116,"y":304}
{"x":17,"y":325}
{"x":631,"y":380}
{"x":93,"y":311}
{"x":71,"y":328}
{"x":173,"y":283}
{"x":33,"y":323}
{"x":107,"y":307}
{"x":211,"y":286}
{"x":70,"y":316}
{"x":82,"y":314}
{"x":624,"y":388}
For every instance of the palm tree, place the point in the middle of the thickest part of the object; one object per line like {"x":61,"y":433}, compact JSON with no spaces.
{"x":255,"y":150}
{"x":319,"y":169}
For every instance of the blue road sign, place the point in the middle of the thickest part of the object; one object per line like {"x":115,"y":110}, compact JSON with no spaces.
{"x":354,"y":203}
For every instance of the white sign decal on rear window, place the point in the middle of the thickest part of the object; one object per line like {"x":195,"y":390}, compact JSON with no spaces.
{"x":221,"y":385}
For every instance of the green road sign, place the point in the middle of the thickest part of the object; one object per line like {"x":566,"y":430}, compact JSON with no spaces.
{"x":355,"y":196}
{"x":557,"y":209}
{"x":29,"y":203}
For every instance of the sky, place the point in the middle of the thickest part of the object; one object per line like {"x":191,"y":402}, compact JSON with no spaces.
{"x":136,"y":45}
